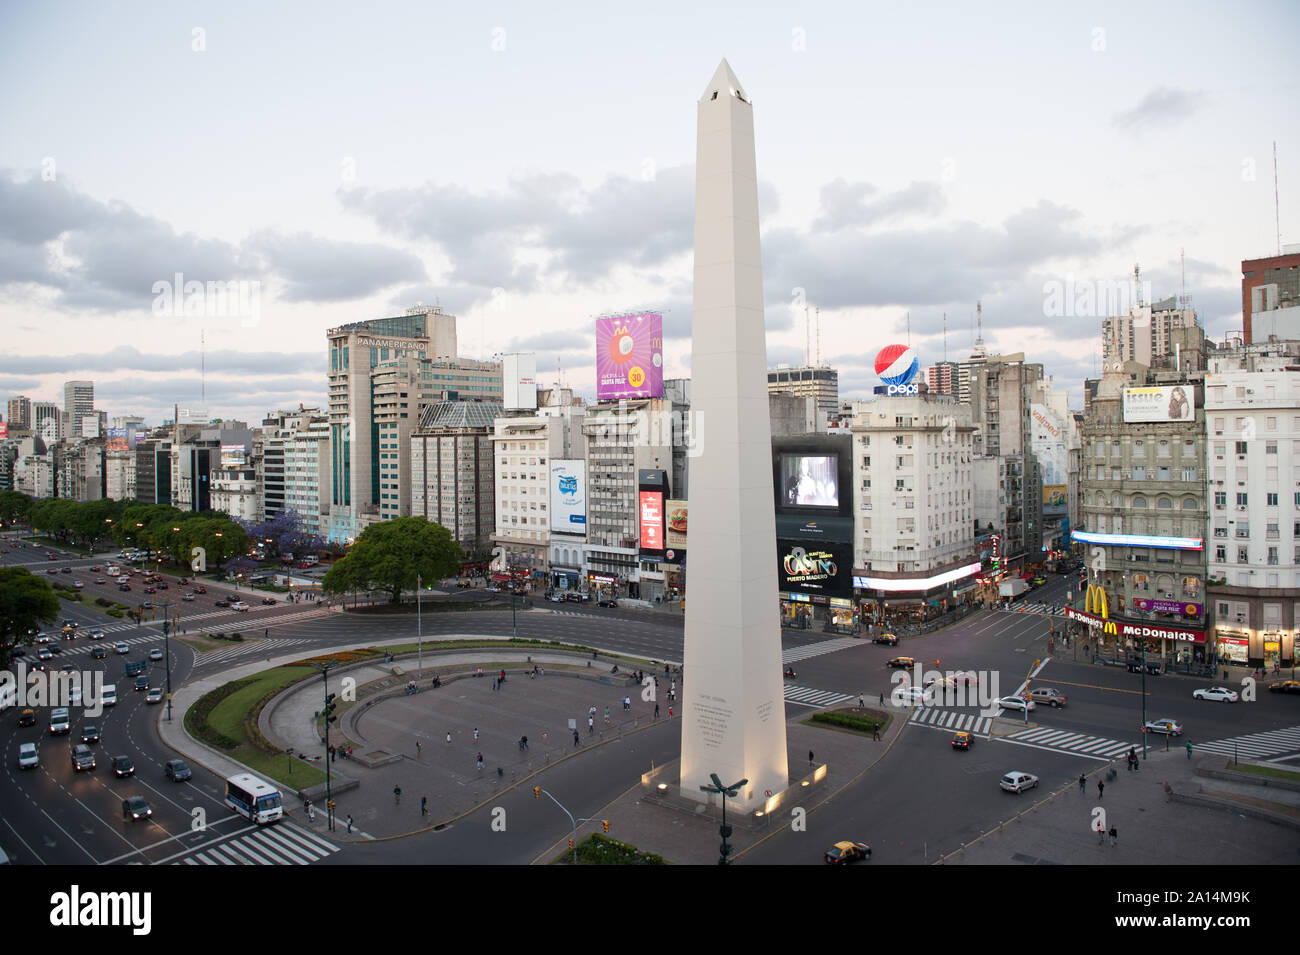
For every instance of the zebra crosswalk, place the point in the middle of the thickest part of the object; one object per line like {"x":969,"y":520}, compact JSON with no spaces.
{"x":794,"y":654}
{"x":951,"y":720}
{"x":1079,"y":743}
{"x":257,"y":646}
{"x":807,"y":696}
{"x":280,"y":844}
{"x":1255,"y":745}
{"x":1049,"y":609}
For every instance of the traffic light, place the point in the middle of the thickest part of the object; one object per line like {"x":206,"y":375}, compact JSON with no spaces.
{"x":605,"y":825}
{"x":329,"y":708}
{"x":570,"y":845}
{"x":537,"y":792}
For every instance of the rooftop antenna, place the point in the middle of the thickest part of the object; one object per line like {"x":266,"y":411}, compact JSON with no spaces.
{"x":1137,"y":285}
{"x":203,"y":368}
{"x":909,"y":329}
{"x":817,"y":313}
{"x":807,"y":338}
{"x":1277,"y":220}
{"x":945,"y":338}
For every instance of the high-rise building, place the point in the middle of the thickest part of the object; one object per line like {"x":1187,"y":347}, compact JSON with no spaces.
{"x":1145,"y":333}
{"x":1270,"y":296}
{"x":821,"y":382}
{"x":78,"y":404}
{"x":452,"y":473}
{"x":20,"y":413}
{"x":1252,"y":427}
{"x":47,"y":421}
{"x":306,"y":472}
{"x":942,"y":377}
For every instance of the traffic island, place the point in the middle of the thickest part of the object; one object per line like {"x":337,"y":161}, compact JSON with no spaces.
{"x":853,"y":719}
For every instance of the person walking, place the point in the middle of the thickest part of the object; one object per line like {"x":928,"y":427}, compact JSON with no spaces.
{"x":448,"y":737}
{"x":523,"y":743}
{"x":810,"y":759}
{"x":424,"y":805}
{"x":1083,"y":782}
{"x":476,"y":734}
{"x":1101,"y":833}
{"x":1189,"y":749}
{"x":397,"y":794}
{"x":417,"y":749}
{"x":494,"y":684}
{"x":591,"y":725}
{"x":349,"y":824}
{"x":1114,"y":836}
{"x":656,"y":711}
{"x":575,"y":739}
{"x":480,"y":761}
{"x":670,"y":712}
{"x":1131,"y":759}
{"x":1101,"y":788}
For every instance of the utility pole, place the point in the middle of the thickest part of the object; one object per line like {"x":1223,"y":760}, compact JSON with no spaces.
{"x":328,"y":713}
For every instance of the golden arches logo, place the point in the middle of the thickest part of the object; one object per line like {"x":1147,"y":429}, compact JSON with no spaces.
{"x":1095,"y":601}
{"x":1109,"y":627}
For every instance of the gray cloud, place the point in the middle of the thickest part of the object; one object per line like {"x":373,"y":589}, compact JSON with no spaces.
{"x":128,"y":358}
{"x":848,"y":204}
{"x":1162,"y":107}
{"x":323,"y":270}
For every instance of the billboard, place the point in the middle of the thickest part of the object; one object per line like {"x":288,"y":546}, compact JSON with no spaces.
{"x":675,"y":531}
{"x":1163,"y":403}
{"x":519,"y":382}
{"x":896,"y":366}
{"x":568,"y":496}
{"x":90,"y":426}
{"x":821,"y":567}
{"x":652,"y":489}
{"x":1048,"y":439}
{"x":233,"y":456}
{"x":4,"y":430}
{"x":1054,"y":500}
{"x":629,"y":356}
{"x":810,"y":480}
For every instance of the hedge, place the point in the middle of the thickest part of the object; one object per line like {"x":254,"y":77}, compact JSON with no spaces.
{"x":601,"y":850}
{"x":862,"y":724}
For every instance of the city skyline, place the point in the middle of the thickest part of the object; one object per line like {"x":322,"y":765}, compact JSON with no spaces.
{"x":1049,"y":150}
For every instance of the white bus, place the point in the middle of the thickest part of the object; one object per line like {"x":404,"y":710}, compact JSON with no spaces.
{"x":255,"y":798}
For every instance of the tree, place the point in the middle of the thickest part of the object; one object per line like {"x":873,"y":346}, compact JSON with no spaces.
{"x":14,"y":507}
{"x":27,"y":602}
{"x":388,"y":556}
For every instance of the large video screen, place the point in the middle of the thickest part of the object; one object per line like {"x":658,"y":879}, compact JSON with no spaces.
{"x":810,"y":480}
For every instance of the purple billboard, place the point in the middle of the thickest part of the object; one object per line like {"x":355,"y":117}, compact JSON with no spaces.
{"x":630,"y":356}
{"x":1168,"y":606}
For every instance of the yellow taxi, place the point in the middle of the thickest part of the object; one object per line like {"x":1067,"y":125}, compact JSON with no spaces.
{"x":962,"y":740}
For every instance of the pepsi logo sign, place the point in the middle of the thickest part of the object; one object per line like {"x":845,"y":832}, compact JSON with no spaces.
{"x":897,"y":365}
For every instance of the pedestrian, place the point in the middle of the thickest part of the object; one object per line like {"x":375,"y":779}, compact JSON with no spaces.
{"x":1189,"y":749}
{"x":875,"y":731}
{"x":810,"y":758}
{"x":1130,"y":759}
{"x":656,"y":711}
{"x":575,"y":739}
{"x":523,"y":742}
{"x":476,"y":734}
{"x":1083,"y":782}
{"x":882,"y":699}
{"x":448,"y":737}
{"x":861,"y":702}
{"x":607,"y":714}
{"x":397,"y":794}
{"x":480,"y":762}
{"x":494,"y":684}
{"x":349,"y":824}
{"x":1101,"y":833}
{"x":591,"y":725}
{"x":417,"y":749}
{"x":1114,"y":836}
{"x":670,"y":712}
{"x":1101,"y":788}
{"x":424,"y":805}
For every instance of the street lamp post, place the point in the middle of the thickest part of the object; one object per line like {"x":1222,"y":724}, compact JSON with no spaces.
{"x":724,"y":830}
{"x":419,"y":626}
{"x":324,"y":669}
{"x":1144,"y":700}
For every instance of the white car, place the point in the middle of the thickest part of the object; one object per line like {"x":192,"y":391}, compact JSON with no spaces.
{"x":155,"y":654}
{"x":1017,"y":782}
{"x":1220,"y":693}
{"x":121,"y":648}
{"x":913,"y":696}
{"x":239,"y":606}
{"x":1016,"y":703}
{"x":27,"y":758}
{"x":1167,"y":726}
{"x":96,"y":635}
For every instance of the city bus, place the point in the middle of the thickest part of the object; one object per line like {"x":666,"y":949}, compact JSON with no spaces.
{"x":255,"y":798}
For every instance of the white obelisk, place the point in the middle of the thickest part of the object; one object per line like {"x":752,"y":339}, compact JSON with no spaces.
{"x":733,"y":709}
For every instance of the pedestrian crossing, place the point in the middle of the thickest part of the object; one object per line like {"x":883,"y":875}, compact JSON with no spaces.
{"x":807,"y":696}
{"x":795,"y":654}
{"x":1068,"y":742}
{"x":952,"y":720}
{"x":1255,"y":745}
{"x":260,"y":647}
{"x":1052,"y":610}
{"x":280,"y":844}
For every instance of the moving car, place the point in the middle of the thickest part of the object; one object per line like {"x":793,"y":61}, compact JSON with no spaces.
{"x":154,"y":695}
{"x":239,"y":606}
{"x":141,"y":683}
{"x":1167,"y":726}
{"x":1218,"y":693}
{"x":99,"y":653}
{"x":90,"y":733}
{"x":27,"y":718}
{"x":1286,"y":686}
{"x":888,"y":639}
{"x":1016,"y":703}
{"x":962,"y":740}
{"x":1046,"y":694}
{"x":200,"y":589}
{"x":96,"y":635}
{"x":842,"y":853}
{"x":156,"y":654}
{"x":82,"y":758}
{"x":60,"y":722}
{"x":123,"y":766}
{"x":268,"y":600}
{"x":901,"y":663}
{"x":27,"y":757}
{"x":121,"y":648}
{"x":176,"y":770}
{"x":187,"y":596}
{"x":1017,"y":782}
{"x":135,"y":809}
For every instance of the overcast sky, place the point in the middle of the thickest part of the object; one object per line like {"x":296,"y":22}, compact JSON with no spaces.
{"x":531,"y":166}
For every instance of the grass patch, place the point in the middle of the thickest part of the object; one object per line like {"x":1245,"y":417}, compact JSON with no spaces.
{"x":201,"y":643}
{"x":865,"y":721}
{"x":1270,"y":771}
{"x":597,"y":849}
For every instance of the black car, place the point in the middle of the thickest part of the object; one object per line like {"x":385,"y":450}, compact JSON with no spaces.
{"x":176,"y":770}
{"x":888,"y":639}
{"x":1153,"y":667}
{"x":99,"y":653}
{"x":142,"y":683}
{"x":122,"y":766}
{"x":606,"y":603}
{"x":135,"y":808}
{"x":90,"y":734}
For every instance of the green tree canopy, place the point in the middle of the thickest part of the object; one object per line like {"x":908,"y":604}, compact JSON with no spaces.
{"x":388,"y":556}
{"x":27,"y":602}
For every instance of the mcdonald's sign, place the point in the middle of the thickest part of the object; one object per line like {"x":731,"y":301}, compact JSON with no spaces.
{"x":1109,"y":627}
{"x":1095,"y":601}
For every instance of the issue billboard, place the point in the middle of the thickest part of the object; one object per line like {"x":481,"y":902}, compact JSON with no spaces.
{"x":1162,"y":403}
{"x":630,"y":356}
{"x":569,"y":496}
